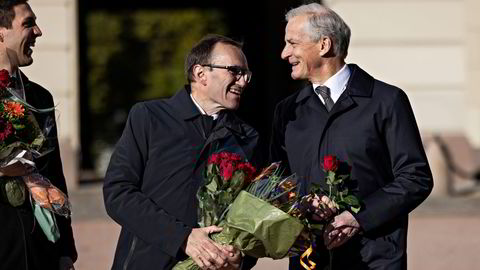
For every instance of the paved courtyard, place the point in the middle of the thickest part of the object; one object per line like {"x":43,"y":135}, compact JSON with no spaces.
{"x":443,"y":233}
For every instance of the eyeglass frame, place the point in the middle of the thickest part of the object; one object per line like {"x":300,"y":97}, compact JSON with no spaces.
{"x":237,"y":71}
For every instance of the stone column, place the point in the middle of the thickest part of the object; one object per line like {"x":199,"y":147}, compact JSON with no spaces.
{"x":473,"y":71}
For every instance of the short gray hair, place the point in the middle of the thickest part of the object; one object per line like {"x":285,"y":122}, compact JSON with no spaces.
{"x":322,"y":22}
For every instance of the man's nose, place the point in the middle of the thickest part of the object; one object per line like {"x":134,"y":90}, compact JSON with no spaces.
{"x":285,"y":52}
{"x":37,"y":31}
{"x":242,"y":81}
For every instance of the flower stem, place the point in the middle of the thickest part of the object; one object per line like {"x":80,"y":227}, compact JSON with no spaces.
{"x":330,"y":264}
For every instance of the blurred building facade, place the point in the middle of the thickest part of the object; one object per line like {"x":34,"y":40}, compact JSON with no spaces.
{"x":429,"y":48}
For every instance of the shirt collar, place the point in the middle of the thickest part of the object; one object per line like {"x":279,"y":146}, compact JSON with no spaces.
{"x":202,"y":111}
{"x":337,"y":83}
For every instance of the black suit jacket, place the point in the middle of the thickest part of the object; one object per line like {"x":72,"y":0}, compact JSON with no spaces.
{"x":24,"y":245}
{"x":154,"y":174}
{"x":373,"y":128}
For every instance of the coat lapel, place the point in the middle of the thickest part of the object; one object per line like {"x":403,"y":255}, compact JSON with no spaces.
{"x":359,"y":84}
{"x":229,"y":134}
{"x":307,"y":133}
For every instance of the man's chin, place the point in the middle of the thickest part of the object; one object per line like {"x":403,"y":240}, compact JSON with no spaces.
{"x":232,"y":106}
{"x":295,"y":76}
{"x":27,"y":61}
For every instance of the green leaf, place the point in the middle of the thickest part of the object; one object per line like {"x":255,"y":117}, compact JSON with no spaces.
{"x":236,"y":183}
{"x":18,"y":126}
{"x":351,"y":200}
{"x":316,"y":188}
{"x":355,"y":209}
{"x":224,"y":197}
{"x":212,"y":185}
{"x":330,"y":178}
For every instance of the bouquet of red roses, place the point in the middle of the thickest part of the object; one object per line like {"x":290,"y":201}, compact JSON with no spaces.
{"x":21,"y":139}
{"x":251,"y":211}
{"x":225,"y":176}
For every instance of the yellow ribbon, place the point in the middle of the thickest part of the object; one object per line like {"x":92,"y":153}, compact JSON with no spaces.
{"x":307,"y":253}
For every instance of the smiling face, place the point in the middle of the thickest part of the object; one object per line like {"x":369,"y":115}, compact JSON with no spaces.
{"x":20,"y":38}
{"x":300,"y":51}
{"x":222,"y":89}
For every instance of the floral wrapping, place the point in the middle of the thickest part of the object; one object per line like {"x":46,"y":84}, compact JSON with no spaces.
{"x":21,"y":140}
{"x":253,"y":212}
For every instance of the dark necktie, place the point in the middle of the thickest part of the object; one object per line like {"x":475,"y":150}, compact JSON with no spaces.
{"x":207,"y":124}
{"x":324,"y":91}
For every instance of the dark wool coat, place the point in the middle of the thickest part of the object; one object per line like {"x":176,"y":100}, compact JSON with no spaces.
{"x":373,"y":128}
{"x":154,"y":174}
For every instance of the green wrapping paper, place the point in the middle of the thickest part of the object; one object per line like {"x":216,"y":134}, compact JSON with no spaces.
{"x":276,"y":230}
{"x":255,"y":227}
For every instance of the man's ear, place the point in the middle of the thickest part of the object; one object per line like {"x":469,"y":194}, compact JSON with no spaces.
{"x":324,"y":45}
{"x":199,"y":74}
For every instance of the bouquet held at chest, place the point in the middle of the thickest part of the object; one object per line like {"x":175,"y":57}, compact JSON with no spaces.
{"x":262,"y":214}
{"x":22,"y":140}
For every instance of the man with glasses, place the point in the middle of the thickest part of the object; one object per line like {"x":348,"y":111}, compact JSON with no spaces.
{"x":156,"y":169}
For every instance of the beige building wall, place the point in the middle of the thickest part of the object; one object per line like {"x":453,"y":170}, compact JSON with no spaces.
{"x":430,"y":49}
{"x":419,"y":46}
{"x":55,"y":67}
{"x":472,"y":7}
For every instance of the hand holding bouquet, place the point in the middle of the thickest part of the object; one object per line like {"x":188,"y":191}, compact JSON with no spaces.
{"x":339,"y":199}
{"x":21,"y":141}
{"x":254,"y":220}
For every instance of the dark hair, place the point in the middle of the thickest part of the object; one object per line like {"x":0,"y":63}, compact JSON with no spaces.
{"x":7,"y":14}
{"x":202,"y":51}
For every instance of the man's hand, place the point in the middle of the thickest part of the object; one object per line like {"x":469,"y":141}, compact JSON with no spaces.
{"x":19,"y":168}
{"x":204,"y":251}
{"x":340,"y":230}
{"x":324,"y":208}
{"x":234,"y":258}
{"x":16,"y":169}
{"x":65,"y":263}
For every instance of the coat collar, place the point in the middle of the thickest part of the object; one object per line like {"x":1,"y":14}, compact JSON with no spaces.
{"x":359,"y":84}
{"x":183,"y":103}
{"x":185,"y":107}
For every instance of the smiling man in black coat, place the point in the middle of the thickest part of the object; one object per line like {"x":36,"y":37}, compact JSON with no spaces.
{"x":345,"y":112}
{"x":156,"y":169}
{"x":23,"y":244}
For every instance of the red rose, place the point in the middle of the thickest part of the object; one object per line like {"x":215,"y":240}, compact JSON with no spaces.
{"x":224,"y":155}
{"x":214,"y":159}
{"x":330,"y":163}
{"x":235,"y":157}
{"x":6,"y":129}
{"x":230,"y":156}
{"x":226,"y":170}
{"x":4,"y":78}
{"x":248,"y":169}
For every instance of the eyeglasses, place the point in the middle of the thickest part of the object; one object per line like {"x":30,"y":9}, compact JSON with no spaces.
{"x":236,"y":71}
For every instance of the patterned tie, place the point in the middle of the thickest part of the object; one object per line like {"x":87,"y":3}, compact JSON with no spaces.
{"x":324,"y":91}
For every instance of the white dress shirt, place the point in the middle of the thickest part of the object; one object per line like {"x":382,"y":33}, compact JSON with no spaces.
{"x":337,"y":84}
{"x":215,"y":115}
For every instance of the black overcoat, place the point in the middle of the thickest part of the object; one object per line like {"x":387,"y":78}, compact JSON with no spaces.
{"x":373,"y":128}
{"x":23,"y":243}
{"x":154,"y":174}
